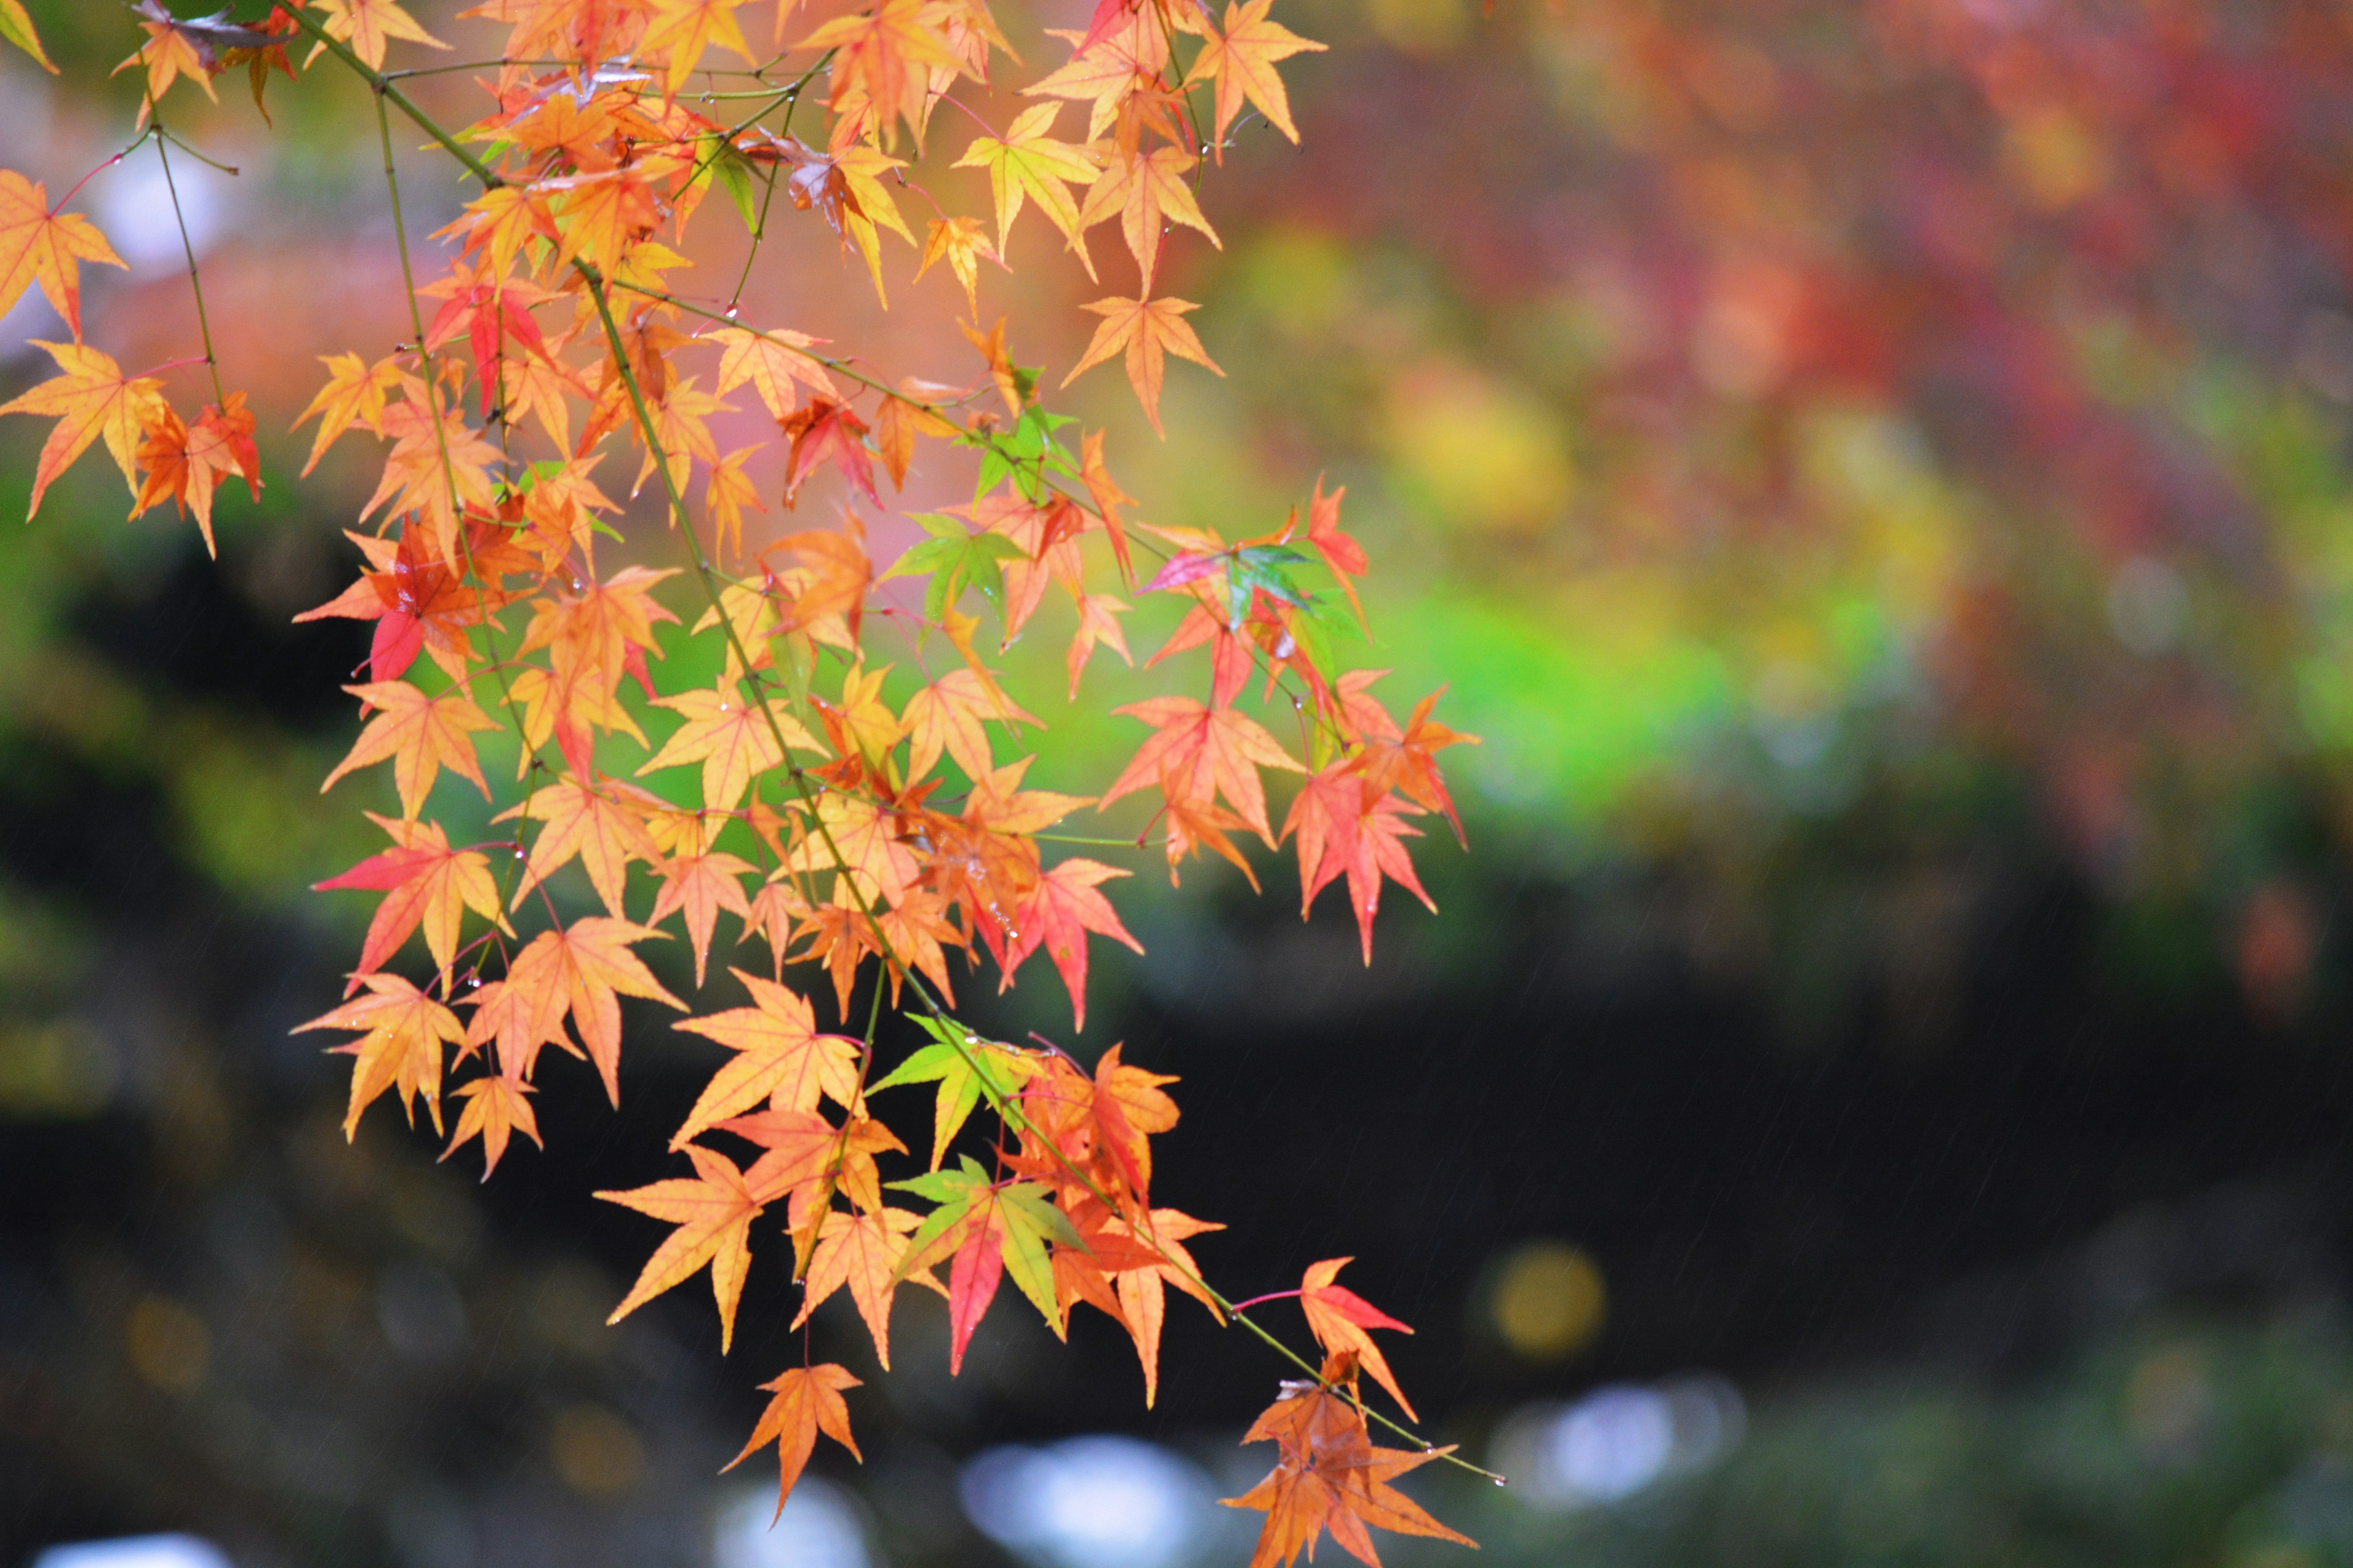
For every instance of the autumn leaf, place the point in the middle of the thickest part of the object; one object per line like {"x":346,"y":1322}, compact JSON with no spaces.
{"x":367,"y":25}
{"x":885,"y":56}
{"x":421,"y":734}
{"x":961,"y":242}
{"x":679,"y":30}
{"x":425,"y":882}
{"x":701,"y":885}
{"x":1338,"y":833}
{"x":1241,"y":56}
{"x":1330,"y":1476}
{"x":402,"y":1033}
{"x":861,"y":1251}
{"x":771,"y":363}
{"x":1198,"y":752}
{"x":39,"y":246}
{"x":735,"y":739}
{"x":986,"y":1231}
{"x":1062,"y":908}
{"x":714,"y":1213}
{"x":494,"y":1109}
{"x":827,"y":431}
{"x":807,"y":1400}
{"x":584,"y":970}
{"x":1338,"y":1318}
{"x":1147,"y":331}
{"x":949,"y":714}
{"x":1148,"y":191}
{"x":91,"y":400}
{"x":599,"y":824}
{"x":354,"y":395}
{"x":781,"y":1058}
{"x":1026,"y":163}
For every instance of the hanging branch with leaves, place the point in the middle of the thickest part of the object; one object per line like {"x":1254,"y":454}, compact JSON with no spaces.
{"x":867,"y":839}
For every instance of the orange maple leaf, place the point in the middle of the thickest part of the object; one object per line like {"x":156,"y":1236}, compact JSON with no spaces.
{"x":38,"y":244}
{"x":1062,"y":908}
{"x":1338,"y":1318}
{"x":403,"y":1031}
{"x":781,"y":1058}
{"x":421,"y":734}
{"x":584,"y":970}
{"x":1329,"y":1476}
{"x":1240,"y":56}
{"x":494,"y":1111}
{"x":1196,"y":751}
{"x":861,"y":1251}
{"x":807,"y":1400}
{"x":367,"y":25}
{"x":91,"y":400}
{"x":714,"y":1213}
{"x":1147,"y":330}
{"x":424,"y":882}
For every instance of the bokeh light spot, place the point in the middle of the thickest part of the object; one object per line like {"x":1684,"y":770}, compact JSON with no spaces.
{"x":1549,"y":1300}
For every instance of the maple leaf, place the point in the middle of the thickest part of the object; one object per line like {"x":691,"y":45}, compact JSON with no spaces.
{"x":861,"y":1251}
{"x":1026,"y":163}
{"x":403,"y":1031}
{"x":1330,"y":1476}
{"x":679,"y":30}
{"x":714,"y":1213}
{"x":812,"y":1159}
{"x":703,"y":885}
{"x":829,"y":430}
{"x":725,"y":495}
{"x":781,"y":1058}
{"x":961,"y":242}
{"x":91,"y":400}
{"x":885,"y":56}
{"x":38,"y":244}
{"x":1098,"y":621}
{"x":965,"y":1070}
{"x":837,"y":572}
{"x":897,"y":424}
{"x":734,"y":739}
{"x":354,"y":395}
{"x":1148,"y":191}
{"x":421,"y":734}
{"x":1111,"y":64}
{"x":599,"y":824}
{"x":771,"y":362}
{"x":494,"y":1111}
{"x":1338,"y":1318}
{"x":1403,"y":760}
{"x":1141,"y":1292}
{"x":1197,"y":751}
{"x":367,"y":25}
{"x":584,"y":969}
{"x":186,"y":462}
{"x":1343,"y":555}
{"x":1147,"y":331}
{"x":425,"y":882}
{"x":1240,"y":56}
{"x":1062,"y":910}
{"x":948,"y":714}
{"x":437,"y":470}
{"x":986,"y":1232}
{"x":807,"y":1400}
{"x":1108,"y":498}
{"x":1339,"y":833}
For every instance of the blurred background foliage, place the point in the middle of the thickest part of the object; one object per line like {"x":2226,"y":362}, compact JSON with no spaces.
{"x":1875,"y":476}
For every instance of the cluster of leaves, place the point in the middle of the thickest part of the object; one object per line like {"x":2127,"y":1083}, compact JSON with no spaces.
{"x":867,"y":837}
